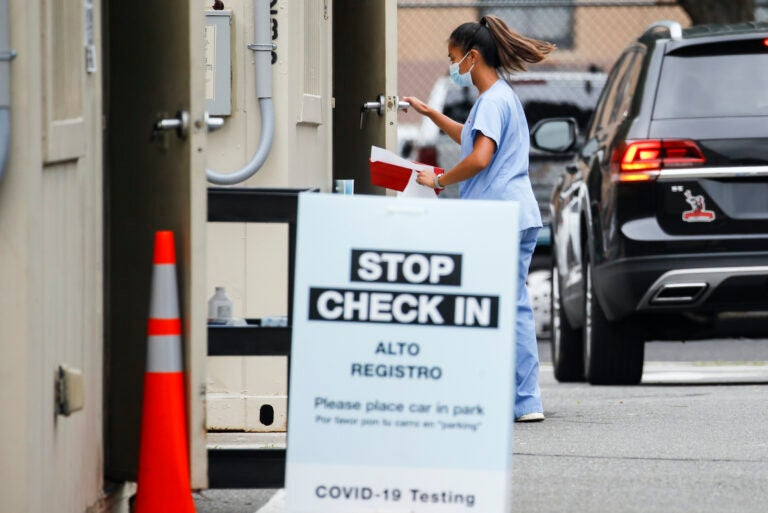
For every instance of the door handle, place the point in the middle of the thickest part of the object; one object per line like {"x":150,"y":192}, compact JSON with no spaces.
{"x":381,"y":105}
{"x":213,"y":123}
{"x":180,"y":124}
{"x":378,"y":106}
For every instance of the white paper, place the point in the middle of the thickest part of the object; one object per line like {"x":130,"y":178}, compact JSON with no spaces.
{"x":382,"y":155}
{"x":416,"y":190}
{"x":413,"y":189}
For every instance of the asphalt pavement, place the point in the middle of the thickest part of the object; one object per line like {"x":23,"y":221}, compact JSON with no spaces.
{"x":692,"y":442}
{"x":691,"y":438}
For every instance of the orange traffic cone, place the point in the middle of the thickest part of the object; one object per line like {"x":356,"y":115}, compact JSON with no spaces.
{"x":163,"y":484}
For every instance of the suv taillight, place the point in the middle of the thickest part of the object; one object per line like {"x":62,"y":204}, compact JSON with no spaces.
{"x":427,"y":155}
{"x":641,"y":161}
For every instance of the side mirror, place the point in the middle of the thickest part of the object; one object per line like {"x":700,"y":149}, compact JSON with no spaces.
{"x":555,"y":135}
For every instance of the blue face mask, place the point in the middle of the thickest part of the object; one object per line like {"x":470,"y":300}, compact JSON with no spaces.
{"x":461,"y":79}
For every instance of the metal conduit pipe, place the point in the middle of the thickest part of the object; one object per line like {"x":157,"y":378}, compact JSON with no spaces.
{"x":6,"y":54}
{"x":5,"y":138}
{"x":263,"y":68}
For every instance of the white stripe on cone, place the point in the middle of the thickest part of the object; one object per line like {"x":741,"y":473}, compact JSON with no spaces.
{"x":164,"y":354}
{"x":164,"y":302}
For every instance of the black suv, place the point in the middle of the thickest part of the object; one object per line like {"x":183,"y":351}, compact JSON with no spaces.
{"x":660,"y":218}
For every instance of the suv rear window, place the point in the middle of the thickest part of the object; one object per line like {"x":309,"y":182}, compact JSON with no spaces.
{"x":702,"y":86}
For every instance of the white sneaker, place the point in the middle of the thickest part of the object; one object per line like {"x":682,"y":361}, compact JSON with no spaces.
{"x":531,"y":417}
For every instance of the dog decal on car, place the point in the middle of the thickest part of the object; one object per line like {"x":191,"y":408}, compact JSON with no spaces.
{"x":698,"y":212}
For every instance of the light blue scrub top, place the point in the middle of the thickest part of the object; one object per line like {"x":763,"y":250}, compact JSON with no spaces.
{"x":499,"y":115}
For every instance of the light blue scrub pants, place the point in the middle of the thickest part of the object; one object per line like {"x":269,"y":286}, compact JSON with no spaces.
{"x":527,"y":392}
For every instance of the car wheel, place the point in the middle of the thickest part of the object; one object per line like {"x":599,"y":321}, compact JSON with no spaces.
{"x":567,"y":360}
{"x":613,"y":353}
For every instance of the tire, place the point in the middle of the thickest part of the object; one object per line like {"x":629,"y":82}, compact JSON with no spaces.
{"x":567,"y":359}
{"x":613,"y":352}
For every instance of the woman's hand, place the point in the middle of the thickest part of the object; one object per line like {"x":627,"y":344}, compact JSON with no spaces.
{"x":418,"y":105}
{"x":426,"y":178}
{"x":446,"y":124}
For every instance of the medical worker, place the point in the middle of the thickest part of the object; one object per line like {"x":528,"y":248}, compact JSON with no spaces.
{"x":494,"y":163}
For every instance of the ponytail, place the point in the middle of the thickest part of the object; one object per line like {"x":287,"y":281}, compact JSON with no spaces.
{"x":515,"y":50}
{"x":500,"y":46}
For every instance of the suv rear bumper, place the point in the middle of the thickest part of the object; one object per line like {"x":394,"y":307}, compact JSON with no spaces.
{"x":683,"y":283}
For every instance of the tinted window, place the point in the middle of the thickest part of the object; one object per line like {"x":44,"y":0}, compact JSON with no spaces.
{"x":608,"y":98}
{"x":701,"y":86}
{"x":627,"y":89}
{"x":538,"y":110}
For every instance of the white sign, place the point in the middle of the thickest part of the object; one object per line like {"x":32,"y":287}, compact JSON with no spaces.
{"x":402,"y":360}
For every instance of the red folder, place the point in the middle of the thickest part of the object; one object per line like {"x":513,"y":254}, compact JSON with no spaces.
{"x":392,"y":176}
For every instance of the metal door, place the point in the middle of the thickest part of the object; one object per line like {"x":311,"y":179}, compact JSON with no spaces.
{"x":154,"y":60}
{"x":364,"y":69}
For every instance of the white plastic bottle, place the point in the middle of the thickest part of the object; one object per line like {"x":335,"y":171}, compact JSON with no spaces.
{"x":219,"y":307}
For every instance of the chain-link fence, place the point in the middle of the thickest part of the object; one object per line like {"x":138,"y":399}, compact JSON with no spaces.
{"x":589,"y":34}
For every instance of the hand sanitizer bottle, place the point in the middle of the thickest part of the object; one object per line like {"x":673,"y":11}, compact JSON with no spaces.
{"x":219,"y":307}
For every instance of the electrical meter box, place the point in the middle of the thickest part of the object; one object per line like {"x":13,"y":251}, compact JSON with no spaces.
{"x":218,"y":63}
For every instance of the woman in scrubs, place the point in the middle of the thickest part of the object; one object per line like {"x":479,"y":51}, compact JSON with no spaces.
{"x":494,"y":163}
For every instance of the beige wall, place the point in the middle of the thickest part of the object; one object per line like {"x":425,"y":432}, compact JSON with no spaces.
{"x":251,"y":260}
{"x":51,"y":234}
{"x":15,"y":325}
{"x":254,"y":258}
{"x":51,"y":264}
{"x":301,"y":155}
